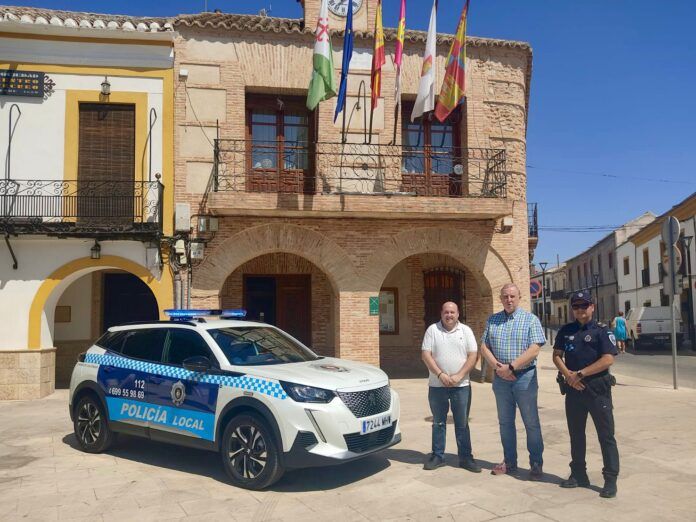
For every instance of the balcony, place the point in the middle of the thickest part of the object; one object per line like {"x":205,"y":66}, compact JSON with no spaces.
{"x":557,"y":295}
{"x":72,"y":208}
{"x":361,"y":179}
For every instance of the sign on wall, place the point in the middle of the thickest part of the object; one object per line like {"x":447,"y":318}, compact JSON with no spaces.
{"x":21,"y":83}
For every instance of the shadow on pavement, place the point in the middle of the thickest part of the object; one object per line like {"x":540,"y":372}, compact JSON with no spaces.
{"x":207,"y":463}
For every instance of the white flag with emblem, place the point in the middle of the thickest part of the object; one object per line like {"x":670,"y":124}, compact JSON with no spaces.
{"x":425,"y":101}
{"x":322,"y":86}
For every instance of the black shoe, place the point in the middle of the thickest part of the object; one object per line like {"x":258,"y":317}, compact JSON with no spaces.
{"x":609,"y":489}
{"x":576,"y":481}
{"x":434,"y":462}
{"x":536,"y":473}
{"x":470,"y":464}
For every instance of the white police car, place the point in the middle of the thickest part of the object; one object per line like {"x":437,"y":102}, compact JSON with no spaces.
{"x":248,"y":390}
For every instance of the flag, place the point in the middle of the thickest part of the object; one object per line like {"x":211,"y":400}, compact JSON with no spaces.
{"x":399,"y":48}
{"x":452,"y":91}
{"x":347,"y":55}
{"x":378,"y":59}
{"x":425,"y":101}
{"x":322,"y":86}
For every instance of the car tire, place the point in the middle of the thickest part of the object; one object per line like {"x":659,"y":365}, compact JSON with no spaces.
{"x":250,"y":453}
{"x":91,"y":426}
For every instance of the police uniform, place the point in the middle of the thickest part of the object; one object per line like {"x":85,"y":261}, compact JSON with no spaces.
{"x":582,"y":345}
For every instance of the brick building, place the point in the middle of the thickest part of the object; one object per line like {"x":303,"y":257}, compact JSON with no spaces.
{"x":349,"y":240}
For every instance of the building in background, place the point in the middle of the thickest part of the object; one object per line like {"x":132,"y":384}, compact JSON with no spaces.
{"x":595,"y":269}
{"x":640,"y":270}
{"x":351,"y":240}
{"x":556,"y":296}
{"x":86,"y":113}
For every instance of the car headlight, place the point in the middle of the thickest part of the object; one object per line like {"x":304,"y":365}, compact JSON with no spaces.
{"x":304,"y":393}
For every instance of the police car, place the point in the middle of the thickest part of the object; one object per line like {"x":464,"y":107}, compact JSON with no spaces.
{"x":250,"y":391}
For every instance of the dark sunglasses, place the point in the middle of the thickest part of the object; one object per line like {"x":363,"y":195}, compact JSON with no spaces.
{"x":580,"y":306}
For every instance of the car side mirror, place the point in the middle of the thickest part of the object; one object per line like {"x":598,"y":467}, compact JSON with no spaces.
{"x":197,"y":364}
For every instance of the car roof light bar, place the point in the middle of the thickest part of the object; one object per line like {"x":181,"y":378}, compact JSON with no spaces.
{"x":181,"y":314}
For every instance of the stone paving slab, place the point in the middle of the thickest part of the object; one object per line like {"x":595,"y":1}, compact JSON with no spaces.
{"x":43,"y":476}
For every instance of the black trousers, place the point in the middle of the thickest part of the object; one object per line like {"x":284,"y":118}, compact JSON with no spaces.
{"x":595,"y":399}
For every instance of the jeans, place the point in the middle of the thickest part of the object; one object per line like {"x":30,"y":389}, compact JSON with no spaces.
{"x":459,"y":398}
{"x":520,"y":393}
{"x":595,"y":399}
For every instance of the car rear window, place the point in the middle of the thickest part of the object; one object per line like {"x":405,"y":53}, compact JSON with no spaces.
{"x":145,"y":344}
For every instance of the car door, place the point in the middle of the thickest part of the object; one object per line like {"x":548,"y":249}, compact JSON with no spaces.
{"x":190,"y":398}
{"x":124,"y":379}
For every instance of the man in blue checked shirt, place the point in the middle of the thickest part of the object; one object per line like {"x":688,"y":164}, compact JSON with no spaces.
{"x":510,"y":344}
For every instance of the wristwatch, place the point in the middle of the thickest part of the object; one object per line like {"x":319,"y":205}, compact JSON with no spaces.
{"x":579,"y":374}
{"x":512,"y":368}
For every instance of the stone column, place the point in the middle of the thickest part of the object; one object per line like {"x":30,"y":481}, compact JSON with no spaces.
{"x":27,"y":374}
{"x":357,"y":332}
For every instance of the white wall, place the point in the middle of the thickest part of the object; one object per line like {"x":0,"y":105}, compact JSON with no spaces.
{"x":78,"y":296}
{"x":37,"y":259}
{"x":38,"y":142}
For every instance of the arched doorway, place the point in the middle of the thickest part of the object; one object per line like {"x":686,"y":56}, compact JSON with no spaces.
{"x":90,"y":305}
{"x":413,"y":293}
{"x":288,"y":291}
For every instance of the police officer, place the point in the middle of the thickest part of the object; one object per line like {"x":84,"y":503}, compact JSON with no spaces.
{"x":583,"y":352}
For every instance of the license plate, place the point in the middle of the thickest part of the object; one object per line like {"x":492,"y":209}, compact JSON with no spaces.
{"x":375,"y":424}
{"x":662,"y":337}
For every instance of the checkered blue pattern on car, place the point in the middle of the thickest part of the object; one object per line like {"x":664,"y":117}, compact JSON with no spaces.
{"x":508,"y":335}
{"x":244,"y":382}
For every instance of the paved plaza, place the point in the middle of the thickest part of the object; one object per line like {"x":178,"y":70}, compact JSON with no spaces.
{"x":44,"y":477}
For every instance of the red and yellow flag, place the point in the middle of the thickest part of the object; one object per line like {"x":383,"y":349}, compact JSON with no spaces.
{"x":399,"y":48}
{"x":452,"y":91}
{"x":378,"y":59}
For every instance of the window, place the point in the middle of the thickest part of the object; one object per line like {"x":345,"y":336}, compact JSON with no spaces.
{"x":627,"y":307}
{"x":184,"y":344}
{"x":442,"y":285}
{"x":664,"y":298}
{"x":610,"y":259}
{"x":146,"y":345}
{"x":599,"y":266}
{"x":280,"y":132}
{"x":584,"y":273}
{"x":626,"y":266}
{"x":579,"y":280}
{"x":647,"y":303}
{"x":430,"y":151}
{"x":111,"y":341}
{"x":259,"y":346}
{"x":106,"y":162}
{"x":389,"y":311}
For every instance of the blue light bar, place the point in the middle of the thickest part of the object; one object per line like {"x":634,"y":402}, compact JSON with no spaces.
{"x":237,"y":313}
{"x":182,"y":314}
{"x":179,"y":313}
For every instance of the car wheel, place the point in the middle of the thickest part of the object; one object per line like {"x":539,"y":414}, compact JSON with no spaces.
{"x":250,"y":453}
{"x":91,"y":426}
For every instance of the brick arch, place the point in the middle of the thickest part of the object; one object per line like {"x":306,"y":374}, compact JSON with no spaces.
{"x":485,"y":264}
{"x":272,"y":238}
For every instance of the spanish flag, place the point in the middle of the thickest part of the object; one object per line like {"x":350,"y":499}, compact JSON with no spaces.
{"x":452,"y":91}
{"x":378,"y":59}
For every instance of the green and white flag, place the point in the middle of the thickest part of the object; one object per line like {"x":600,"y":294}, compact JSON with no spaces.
{"x":323,"y":83}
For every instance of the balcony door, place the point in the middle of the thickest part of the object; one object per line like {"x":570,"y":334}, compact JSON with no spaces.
{"x":430,"y":151}
{"x":104,"y":194}
{"x":280,"y":142}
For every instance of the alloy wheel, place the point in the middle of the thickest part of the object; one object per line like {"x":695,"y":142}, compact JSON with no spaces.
{"x":247,"y":451}
{"x":89,"y":423}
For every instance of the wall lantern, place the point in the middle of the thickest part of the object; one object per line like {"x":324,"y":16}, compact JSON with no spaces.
{"x":105,"y":87}
{"x":95,"y":251}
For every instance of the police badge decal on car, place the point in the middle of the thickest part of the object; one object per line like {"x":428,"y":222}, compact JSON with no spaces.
{"x":178,"y":393}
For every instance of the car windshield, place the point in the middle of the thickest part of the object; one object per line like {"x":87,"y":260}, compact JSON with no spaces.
{"x":253,"y":346}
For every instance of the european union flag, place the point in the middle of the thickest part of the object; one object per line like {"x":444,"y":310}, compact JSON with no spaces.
{"x":347,"y":55}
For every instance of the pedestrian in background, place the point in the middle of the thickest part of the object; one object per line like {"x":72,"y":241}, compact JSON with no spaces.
{"x":619,"y":326}
{"x":583,"y":352}
{"x":450,"y":352}
{"x":510,"y":344}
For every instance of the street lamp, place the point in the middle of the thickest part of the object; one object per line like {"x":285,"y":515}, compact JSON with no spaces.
{"x":595,"y":276}
{"x":543,"y":265}
{"x":686,"y":245}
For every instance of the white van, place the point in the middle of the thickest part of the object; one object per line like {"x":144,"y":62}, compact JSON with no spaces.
{"x":651,"y":325}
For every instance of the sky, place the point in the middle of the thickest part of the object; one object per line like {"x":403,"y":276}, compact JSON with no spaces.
{"x":612,"y":115}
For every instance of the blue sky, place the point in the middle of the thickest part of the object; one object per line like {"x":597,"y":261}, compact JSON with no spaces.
{"x":612,"y":109}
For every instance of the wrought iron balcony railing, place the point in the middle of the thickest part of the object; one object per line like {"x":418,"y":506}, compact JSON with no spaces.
{"x":360,"y":169}
{"x":81,"y":208}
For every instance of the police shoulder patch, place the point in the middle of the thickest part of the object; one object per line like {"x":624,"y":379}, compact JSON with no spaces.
{"x":612,"y":338}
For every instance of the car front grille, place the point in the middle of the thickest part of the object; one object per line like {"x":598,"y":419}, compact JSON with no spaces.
{"x":358,"y":443}
{"x":368,"y":402}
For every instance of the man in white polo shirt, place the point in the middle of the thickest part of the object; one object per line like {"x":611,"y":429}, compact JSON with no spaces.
{"x":450,"y":351}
